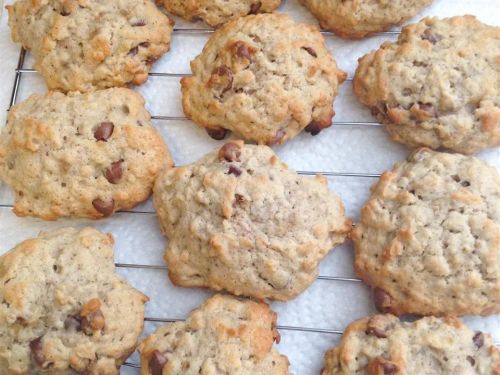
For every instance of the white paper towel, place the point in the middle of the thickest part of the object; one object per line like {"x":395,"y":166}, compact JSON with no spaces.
{"x":326,"y":304}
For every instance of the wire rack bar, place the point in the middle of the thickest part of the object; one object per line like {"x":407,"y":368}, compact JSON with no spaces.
{"x":190,"y":30}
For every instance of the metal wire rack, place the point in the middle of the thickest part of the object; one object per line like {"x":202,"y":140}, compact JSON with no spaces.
{"x":21,"y":70}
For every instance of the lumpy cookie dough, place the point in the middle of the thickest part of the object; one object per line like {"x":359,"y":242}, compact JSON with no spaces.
{"x":64,"y":310}
{"x":83,"y":45}
{"x":381,"y":344}
{"x":359,"y":18}
{"x":428,"y":238}
{"x":80,"y":155}
{"x":264,"y":77}
{"x":225,"y":335}
{"x":438,"y":86}
{"x":239,"y":220}
{"x":217,"y":12}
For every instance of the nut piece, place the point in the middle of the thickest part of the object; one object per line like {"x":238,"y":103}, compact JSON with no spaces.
{"x":92,"y":316}
{"x":230,"y":152}
{"x":381,"y":366}
{"x":379,"y":326}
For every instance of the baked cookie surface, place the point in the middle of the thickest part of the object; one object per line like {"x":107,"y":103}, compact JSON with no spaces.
{"x":264,"y":77}
{"x":217,"y":12}
{"x":83,"y":45}
{"x":64,"y":309}
{"x":428,"y":238}
{"x":359,"y":18}
{"x":239,"y":220}
{"x":225,"y":335}
{"x":80,"y":155}
{"x":382,"y":344}
{"x":438,"y":86}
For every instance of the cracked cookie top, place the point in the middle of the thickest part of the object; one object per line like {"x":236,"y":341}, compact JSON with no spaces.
{"x":80,"y":155}
{"x":428,"y":238}
{"x":64,"y":310}
{"x":217,"y":12}
{"x":239,"y":220}
{"x":438,"y":86}
{"x":382,"y":344}
{"x":225,"y":335}
{"x":264,"y":77}
{"x":84,"y":45}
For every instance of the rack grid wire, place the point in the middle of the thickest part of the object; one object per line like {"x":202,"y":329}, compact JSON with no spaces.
{"x":20,"y":70}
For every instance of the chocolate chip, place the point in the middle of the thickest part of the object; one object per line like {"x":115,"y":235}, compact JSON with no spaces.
{"x":104,"y":131}
{"x":65,"y":13}
{"x":133,"y":51}
{"x":314,"y":127}
{"x":139,"y":23}
{"x":277,"y":138}
{"x":37,"y":351}
{"x":310,"y":51}
{"x":224,"y":71}
{"x":144,"y":44}
{"x":105,"y":208}
{"x":150,"y":60}
{"x":230,"y":152}
{"x":243,"y":50}
{"x":379,"y":108}
{"x":471,"y":360}
{"x":429,"y":35}
{"x":478,"y":339}
{"x":157,"y":362}
{"x":379,"y":326}
{"x":217,"y":133}
{"x":73,"y":322}
{"x":234,"y":170}
{"x":114,"y":173}
{"x":465,"y":183}
{"x":255,"y":7}
{"x":383,"y":300}
{"x":94,"y":321}
{"x":239,"y":200}
{"x":429,"y":108}
{"x":389,"y":368}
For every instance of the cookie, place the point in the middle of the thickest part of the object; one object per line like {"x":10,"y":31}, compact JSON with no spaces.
{"x":381,"y":344}
{"x":64,"y":310}
{"x":239,"y":220}
{"x":217,"y":12}
{"x":428,"y":238}
{"x":264,"y":77}
{"x":359,"y":18}
{"x":87,"y":45}
{"x":437,"y":86}
{"x":81,"y":155}
{"x":225,"y":335}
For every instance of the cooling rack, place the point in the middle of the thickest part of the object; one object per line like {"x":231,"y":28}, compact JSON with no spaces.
{"x":22,"y":71}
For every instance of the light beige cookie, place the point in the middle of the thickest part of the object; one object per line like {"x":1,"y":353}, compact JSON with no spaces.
{"x":83,"y":45}
{"x":64,"y":310}
{"x":239,"y":220}
{"x":428,"y":239}
{"x":217,"y":12}
{"x":225,"y":335}
{"x":80,"y":155}
{"x":438,"y":86}
{"x":383,"y":345}
{"x":264,"y":77}
{"x":359,"y":18}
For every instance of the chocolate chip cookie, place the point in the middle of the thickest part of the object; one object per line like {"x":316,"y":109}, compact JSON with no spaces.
{"x":81,"y":155}
{"x":239,"y":220}
{"x":64,"y":310}
{"x":438,"y":86}
{"x":225,"y":335}
{"x":428,"y":238}
{"x":91,"y":44}
{"x":216,"y":12}
{"x":381,"y":344}
{"x":264,"y":77}
{"x":359,"y":18}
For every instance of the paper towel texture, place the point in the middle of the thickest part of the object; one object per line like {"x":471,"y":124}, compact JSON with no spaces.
{"x":341,"y":148}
